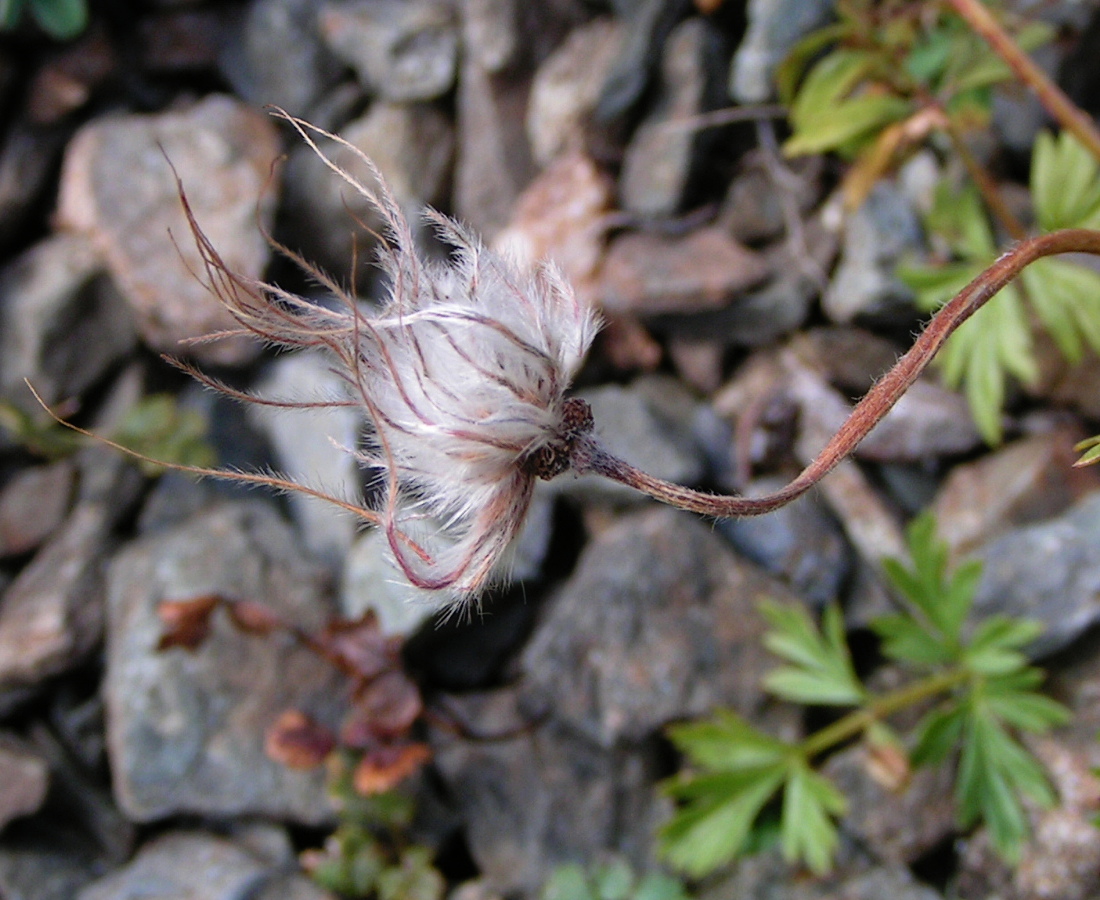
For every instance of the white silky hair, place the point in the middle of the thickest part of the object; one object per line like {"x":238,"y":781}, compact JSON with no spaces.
{"x":462,"y":370}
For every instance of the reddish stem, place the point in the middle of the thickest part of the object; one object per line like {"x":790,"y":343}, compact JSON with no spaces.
{"x":589,"y":456}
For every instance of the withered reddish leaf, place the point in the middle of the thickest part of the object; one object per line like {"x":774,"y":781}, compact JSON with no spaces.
{"x":186,"y":622}
{"x":359,"y":647}
{"x":254,"y":618}
{"x":385,"y":709}
{"x":298,"y":742}
{"x":387,"y":766}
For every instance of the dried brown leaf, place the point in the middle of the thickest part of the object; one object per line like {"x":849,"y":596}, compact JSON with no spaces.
{"x":385,"y":767}
{"x":297,"y":741}
{"x":186,"y":622}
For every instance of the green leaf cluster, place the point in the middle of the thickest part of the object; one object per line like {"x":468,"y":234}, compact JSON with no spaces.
{"x":997,"y":343}
{"x":745,"y":788}
{"x":156,"y":427}
{"x":851,"y":87}
{"x":366,"y":856}
{"x":613,"y":880}
{"x":60,"y":19}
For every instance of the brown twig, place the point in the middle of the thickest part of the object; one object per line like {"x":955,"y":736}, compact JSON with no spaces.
{"x":589,"y":456}
{"x":1050,"y":95}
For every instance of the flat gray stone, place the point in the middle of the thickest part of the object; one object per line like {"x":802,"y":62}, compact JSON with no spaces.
{"x":185,"y":728}
{"x":117,"y":187}
{"x":658,"y":622}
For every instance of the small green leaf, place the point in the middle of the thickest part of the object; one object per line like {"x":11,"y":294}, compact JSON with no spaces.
{"x":726,"y":742}
{"x":1065,"y":183}
{"x":845,"y":122}
{"x":613,"y":880}
{"x":906,"y":640}
{"x":810,"y":801}
{"x":938,"y":735}
{"x":822,"y":671}
{"x":656,"y":886}
{"x":1089,"y":450}
{"x":714,"y":825}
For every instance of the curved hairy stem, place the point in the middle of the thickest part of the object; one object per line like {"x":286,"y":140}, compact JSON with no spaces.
{"x":589,"y":456}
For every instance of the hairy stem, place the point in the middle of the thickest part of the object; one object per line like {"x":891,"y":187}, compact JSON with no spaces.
{"x":880,"y":708}
{"x":1050,"y":95}
{"x":589,"y":456}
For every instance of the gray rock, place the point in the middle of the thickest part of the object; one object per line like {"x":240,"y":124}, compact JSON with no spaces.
{"x":33,"y":504}
{"x":183,"y":866}
{"x":544,"y":796}
{"x":28,"y":160}
{"x":1049,"y":572}
{"x":876,"y":236}
{"x":801,"y":543}
{"x":775,"y":26}
{"x":494,"y":163}
{"x":754,"y":205}
{"x":412,"y":145}
{"x":656,"y":623}
{"x":279,"y":58}
{"x":1026,"y":481}
{"x":658,"y":161}
{"x":567,"y":86}
{"x":117,"y":186}
{"x":314,"y":447}
{"x":24,"y":779}
{"x":638,"y":429}
{"x":186,"y":729}
{"x":52,"y":613}
{"x":62,"y":321}
{"x":897,"y":826}
{"x":46,"y":866}
{"x":402,"y":50}
{"x":490,"y":32}
{"x":650,"y":274}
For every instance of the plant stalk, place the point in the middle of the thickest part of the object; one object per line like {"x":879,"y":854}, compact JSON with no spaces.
{"x":588,"y":456}
{"x":880,"y":708}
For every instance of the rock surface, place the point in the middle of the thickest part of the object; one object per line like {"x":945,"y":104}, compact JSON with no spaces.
{"x":118,"y":188}
{"x":186,"y":728}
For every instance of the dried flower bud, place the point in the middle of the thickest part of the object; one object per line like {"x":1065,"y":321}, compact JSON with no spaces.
{"x":462,"y":371}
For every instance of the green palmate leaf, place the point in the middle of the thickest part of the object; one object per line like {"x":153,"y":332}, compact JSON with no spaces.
{"x":1065,"y":183}
{"x":845,"y":123}
{"x":726,"y":742}
{"x":938,"y":735}
{"x":1066,"y":298}
{"x":943,"y":600}
{"x":810,"y":802}
{"x":822,"y":671}
{"x":995,"y":647}
{"x":906,"y":640}
{"x":710,"y":830}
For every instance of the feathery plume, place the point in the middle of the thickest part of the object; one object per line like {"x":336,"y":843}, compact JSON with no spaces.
{"x":461,"y":370}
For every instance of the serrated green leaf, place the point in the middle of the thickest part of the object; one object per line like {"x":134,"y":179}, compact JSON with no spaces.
{"x":809,"y":834}
{"x":822,"y":671}
{"x":790,"y":70}
{"x":1066,"y":298}
{"x":938,"y":734}
{"x":846,"y":121}
{"x":1065,"y":183}
{"x":710,"y":831}
{"x":726,"y":742}
{"x":906,"y":640}
{"x":1027,"y":711}
{"x":1005,"y":633}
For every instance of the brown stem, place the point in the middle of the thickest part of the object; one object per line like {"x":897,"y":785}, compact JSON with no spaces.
{"x":589,"y":456}
{"x":1050,"y":95}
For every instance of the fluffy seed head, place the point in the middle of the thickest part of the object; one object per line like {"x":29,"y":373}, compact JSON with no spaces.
{"x":462,"y":372}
